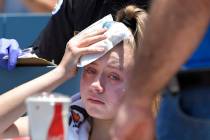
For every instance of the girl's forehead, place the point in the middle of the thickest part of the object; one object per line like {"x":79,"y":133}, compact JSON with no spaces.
{"x":116,"y":54}
{"x":109,"y":60}
{"x":117,"y":57}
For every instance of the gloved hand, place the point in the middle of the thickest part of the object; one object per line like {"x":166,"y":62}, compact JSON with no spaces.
{"x":11,"y":48}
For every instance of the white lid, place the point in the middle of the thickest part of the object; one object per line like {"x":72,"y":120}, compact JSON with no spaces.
{"x":46,"y":97}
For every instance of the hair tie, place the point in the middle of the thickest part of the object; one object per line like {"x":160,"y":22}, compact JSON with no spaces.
{"x":131,"y":23}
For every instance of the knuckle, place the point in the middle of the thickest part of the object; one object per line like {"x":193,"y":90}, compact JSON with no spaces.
{"x":88,"y":40}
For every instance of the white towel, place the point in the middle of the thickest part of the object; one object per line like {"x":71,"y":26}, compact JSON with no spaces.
{"x":116,"y":33}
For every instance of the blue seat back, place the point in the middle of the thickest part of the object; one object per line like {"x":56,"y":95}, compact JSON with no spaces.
{"x":24,"y":27}
{"x":9,"y":80}
{"x":1,"y":26}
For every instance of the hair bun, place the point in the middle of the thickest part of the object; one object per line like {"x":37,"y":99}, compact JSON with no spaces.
{"x":131,"y":23}
{"x":129,"y":16}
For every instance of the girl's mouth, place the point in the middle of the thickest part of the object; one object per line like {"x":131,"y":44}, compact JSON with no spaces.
{"x":95,"y":101}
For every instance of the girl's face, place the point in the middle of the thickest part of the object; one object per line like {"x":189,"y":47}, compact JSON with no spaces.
{"x":103,"y":82}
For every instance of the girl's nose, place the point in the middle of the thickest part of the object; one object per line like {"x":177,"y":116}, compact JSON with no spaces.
{"x":97,"y":87}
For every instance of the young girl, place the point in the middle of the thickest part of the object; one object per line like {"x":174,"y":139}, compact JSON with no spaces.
{"x":103,"y":83}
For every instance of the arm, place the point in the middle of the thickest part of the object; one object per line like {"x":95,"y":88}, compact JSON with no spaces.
{"x":14,"y":129}
{"x":1,"y":5}
{"x":13,"y":100}
{"x":174,"y":30}
{"x":40,"y":5}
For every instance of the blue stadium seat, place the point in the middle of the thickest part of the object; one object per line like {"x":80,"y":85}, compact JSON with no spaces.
{"x":25,"y":28}
{"x":1,"y":26}
{"x":11,"y":79}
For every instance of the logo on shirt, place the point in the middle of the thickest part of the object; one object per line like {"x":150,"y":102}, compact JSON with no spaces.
{"x":78,"y":115}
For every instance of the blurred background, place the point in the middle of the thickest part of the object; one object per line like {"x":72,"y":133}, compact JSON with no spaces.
{"x":24,"y":19}
{"x":27,"y":6}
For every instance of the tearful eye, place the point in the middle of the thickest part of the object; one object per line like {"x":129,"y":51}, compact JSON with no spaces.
{"x":89,"y":71}
{"x":114,"y":77}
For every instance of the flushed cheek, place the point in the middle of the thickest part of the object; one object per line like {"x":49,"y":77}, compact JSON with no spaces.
{"x":114,"y":98}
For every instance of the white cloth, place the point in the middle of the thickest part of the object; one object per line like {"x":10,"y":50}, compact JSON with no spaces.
{"x":79,"y":127}
{"x":116,"y":32}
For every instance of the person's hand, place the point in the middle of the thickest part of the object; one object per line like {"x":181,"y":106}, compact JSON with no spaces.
{"x":11,"y":48}
{"x":134,"y":121}
{"x":76,"y":47}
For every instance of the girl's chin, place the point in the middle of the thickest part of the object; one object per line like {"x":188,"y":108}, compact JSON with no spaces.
{"x":95,"y":112}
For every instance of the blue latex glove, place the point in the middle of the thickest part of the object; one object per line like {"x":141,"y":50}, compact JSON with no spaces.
{"x":11,"y":48}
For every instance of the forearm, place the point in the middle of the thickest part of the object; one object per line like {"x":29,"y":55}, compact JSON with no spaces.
{"x":1,"y":6}
{"x":13,"y":100}
{"x":40,"y":5}
{"x":174,"y":30}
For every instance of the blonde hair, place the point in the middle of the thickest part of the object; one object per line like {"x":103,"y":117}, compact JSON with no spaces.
{"x":136,"y":16}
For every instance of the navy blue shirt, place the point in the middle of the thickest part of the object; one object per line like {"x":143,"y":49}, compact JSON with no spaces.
{"x":75,"y":15}
{"x":201,"y":57}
